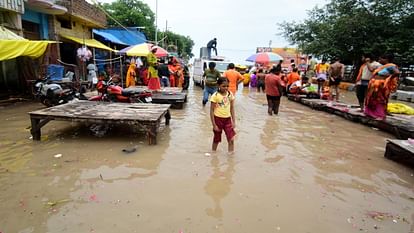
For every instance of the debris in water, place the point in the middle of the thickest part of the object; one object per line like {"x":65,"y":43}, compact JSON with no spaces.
{"x":379,"y":216}
{"x":207,"y":154}
{"x":394,"y":220}
{"x":375,"y":128}
{"x":93,"y":197}
{"x":53,"y":203}
{"x":58,"y":155}
{"x":99,"y":130}
{"x":129,"y":150}
{"x":100,"y":175}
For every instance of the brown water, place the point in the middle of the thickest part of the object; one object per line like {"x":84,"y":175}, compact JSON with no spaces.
{"x":301,"y":171}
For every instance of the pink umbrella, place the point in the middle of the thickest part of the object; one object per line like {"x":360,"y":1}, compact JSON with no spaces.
{"x":265,"y":57}
{"x":161,"y":52}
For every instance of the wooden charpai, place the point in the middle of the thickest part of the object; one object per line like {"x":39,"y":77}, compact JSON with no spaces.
{"x":146,"y":116}
{"x":167,"y":95}
{"x":401,"y":151}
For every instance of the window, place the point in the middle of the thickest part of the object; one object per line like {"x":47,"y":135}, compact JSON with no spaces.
{"x":64,"y":23}
{"x":31,"y":30}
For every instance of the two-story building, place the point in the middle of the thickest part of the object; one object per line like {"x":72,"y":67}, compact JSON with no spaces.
{"x":69,"y":22}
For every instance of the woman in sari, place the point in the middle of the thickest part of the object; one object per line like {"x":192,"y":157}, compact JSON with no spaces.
{"x":153,"y":79}
{"x":382,"y":83}
{"x":130,"y":78}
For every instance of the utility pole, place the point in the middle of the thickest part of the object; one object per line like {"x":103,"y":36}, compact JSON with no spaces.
{"x":165,"y":36}
{"x":156,"y":21}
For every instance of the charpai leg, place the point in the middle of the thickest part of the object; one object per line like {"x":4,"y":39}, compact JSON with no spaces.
{"x":35,"y":131}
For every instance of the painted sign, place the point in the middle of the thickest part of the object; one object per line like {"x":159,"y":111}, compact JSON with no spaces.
{"x":263,"y":49}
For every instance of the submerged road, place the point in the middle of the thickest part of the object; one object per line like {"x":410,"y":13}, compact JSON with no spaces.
{"x":301,"y":171}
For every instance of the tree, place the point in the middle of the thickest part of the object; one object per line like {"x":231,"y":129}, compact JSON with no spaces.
{"x":133,"y":13}
{"x":350,"y":28}
{"x":183,"y":45}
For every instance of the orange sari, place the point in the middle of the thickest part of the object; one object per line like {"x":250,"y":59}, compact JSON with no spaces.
{"x":130,"y":78}
{"x":382,"y":84}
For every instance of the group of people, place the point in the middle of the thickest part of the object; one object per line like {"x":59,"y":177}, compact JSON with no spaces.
{"x":159,"y":73}
{"x":375,"y":82}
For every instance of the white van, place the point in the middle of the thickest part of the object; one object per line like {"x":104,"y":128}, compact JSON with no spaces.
{"x":201,"y":64}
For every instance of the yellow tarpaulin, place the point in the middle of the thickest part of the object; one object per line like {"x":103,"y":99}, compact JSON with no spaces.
{"x":400,"y":108}
{"x":88,"y":42}
{"x":10,"y":49}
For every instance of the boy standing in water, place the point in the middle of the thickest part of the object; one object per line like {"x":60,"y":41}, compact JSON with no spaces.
{"x":222,"y":114}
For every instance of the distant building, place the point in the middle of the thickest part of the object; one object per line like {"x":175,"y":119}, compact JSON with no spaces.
{"x":288,"y":54}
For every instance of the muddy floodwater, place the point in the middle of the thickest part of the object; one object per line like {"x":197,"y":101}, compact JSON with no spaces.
{"x":301,"y":171}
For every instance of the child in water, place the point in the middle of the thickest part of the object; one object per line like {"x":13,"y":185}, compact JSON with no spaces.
{"x":222,"y":114}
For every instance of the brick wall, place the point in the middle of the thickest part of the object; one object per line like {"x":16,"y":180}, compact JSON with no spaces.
{"x":84,"y":11}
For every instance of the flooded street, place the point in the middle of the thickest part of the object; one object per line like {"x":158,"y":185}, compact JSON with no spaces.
{"x":302,"y":171}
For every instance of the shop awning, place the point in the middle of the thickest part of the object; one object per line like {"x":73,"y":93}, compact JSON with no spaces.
{"x":132,"y":36}
{"x":88,"y":42}
{"x":16,"y":48}
{"x":108,"y":37}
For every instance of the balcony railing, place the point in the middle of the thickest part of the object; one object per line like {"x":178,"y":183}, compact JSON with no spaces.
{"x":12,"y":5}
{"x":84,"y":11}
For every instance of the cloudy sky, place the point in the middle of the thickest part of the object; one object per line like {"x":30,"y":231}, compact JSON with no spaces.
{"x":239,"y":25}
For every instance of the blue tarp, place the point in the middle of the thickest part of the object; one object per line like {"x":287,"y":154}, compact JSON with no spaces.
{"x":121,"y":36}
{"x":108,"y":37}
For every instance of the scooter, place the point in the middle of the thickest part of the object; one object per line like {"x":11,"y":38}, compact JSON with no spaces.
{"x":52,"y":94}
{"x":109,"y":91}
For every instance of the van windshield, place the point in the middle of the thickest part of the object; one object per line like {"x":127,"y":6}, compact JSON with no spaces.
{"x":221,"y":66}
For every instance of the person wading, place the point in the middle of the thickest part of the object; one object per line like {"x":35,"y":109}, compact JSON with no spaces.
{"x":234,"y":77}
{"x":273,"y":90}
{"x":222,"y":115}
{"x":211,"y":76}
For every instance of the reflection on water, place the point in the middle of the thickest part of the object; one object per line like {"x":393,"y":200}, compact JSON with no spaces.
{"x":300,"y":171}
{"x":218,"y":186}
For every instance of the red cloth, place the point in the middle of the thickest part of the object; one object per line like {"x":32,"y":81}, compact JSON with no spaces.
{"x":154,"y":84}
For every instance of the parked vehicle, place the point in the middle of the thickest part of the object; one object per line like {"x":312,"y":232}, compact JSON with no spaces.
{"x":201,"y":64}
{"x":51,"y":94}
{"x":109,"y":91}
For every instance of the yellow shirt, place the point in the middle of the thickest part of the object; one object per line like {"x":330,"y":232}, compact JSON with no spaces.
{"x":222,"y":108}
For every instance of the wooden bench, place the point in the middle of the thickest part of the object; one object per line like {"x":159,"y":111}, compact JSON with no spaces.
{"x":167,"y":95}
{"x":401,"y":151}
{"x":146,"y":116}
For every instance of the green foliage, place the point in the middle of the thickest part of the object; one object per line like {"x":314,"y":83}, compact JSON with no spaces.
{"x":131,"y":13}
{"x":350,"y":28}
{"x":177,"y":43}
{"x":135,"y":13}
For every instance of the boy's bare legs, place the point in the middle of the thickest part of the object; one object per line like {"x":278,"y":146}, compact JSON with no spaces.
{"x":214,"y":146}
